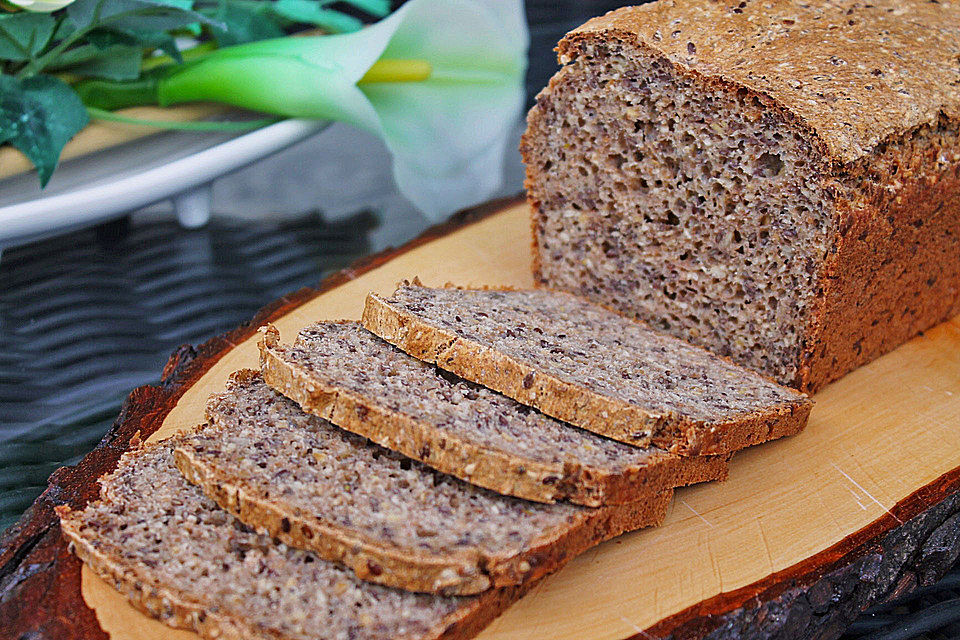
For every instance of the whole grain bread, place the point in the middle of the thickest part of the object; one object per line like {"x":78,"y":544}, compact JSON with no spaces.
{"x":391,"y":520}
{"x":181,"y":559}
{"x":349,"y":376}
{"x":589,"y":366}
{"x":776,"y":181}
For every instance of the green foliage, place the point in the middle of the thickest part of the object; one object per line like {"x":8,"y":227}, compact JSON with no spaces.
{"x":243,"y":21}
{"x":38,"y":116}
{"x":132,"y":15}
{"x":145,"y":40}
{"x":114,"y":62}
{"x":310,"y":12}
{"x":378,"y":8}
{"x":107,"y":41}
{"x":24,"y":35}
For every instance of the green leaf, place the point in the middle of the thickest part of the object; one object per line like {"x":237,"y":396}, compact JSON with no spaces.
{"x":24,"y":35}
{"x":106,"y":38}
{"x":64,"y":28}
{"x":195,"y":29}
{"x":310,"y":12}
{"x":133,"y":15}
{"x":378,"y":8}
{"x":162,"y":40}
{"x":180,"y":4}
{"x":38,"y":116}
{"x":114,"y":62}
{"x":112,"y":65}
{"x":159,"y":40}
{"x":242,"y":22}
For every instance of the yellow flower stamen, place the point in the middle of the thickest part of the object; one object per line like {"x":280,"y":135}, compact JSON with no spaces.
{"x":389,"y":70}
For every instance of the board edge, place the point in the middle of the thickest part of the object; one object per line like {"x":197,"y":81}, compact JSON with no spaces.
{"x":912,"y":545}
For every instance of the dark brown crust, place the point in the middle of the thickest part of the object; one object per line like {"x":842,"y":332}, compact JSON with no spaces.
{"x":494,"y":470}
{"x":150,"y":596}
{"x":858,"y":60}
{"x":463,"y":573}
{"x":893,"y":272}
{"x":40,"y":579}
{"x":570,"y":402}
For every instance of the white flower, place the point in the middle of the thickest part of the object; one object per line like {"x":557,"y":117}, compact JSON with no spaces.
{"x":447,"y":131}
{"x":40,"y":6}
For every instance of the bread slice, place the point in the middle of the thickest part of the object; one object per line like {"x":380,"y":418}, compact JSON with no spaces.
{"x":389,"y":519}
{"x":582,"y":363}
{"x":180,"y":558}
{"x":352,"y":378}
{"x":775,"y":181}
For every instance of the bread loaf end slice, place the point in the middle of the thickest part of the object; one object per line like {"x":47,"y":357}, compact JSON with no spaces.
{"x":181,"y":559}
{"x":775,"y":181}
{"x":589,"y":366}
{"x":359,"y":382}
{"x":389,"y":519}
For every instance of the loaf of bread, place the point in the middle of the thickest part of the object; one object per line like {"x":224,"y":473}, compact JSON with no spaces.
{"x":180,"y":558}
{"x":359,"y":382}
{"x":389,"y":519}
{"x":777,"y":181}
{"x":582,"y":363}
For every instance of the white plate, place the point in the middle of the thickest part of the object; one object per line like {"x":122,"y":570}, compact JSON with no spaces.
{"x":173,"y":164}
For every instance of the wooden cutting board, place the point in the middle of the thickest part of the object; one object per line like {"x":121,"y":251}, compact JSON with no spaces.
{"x":806,"y":533}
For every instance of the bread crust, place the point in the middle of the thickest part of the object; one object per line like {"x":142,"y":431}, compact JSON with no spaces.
{"x":570,"y":402}
{"x":150,"y":596}
{"x":891,"y":270}
{"x":894,"y":268}
{"x":494,"y":470}
{"x":457,"y":573}
{"x":411,"y":568}
{"x":795,"y":56}
{"x":373,"y":561}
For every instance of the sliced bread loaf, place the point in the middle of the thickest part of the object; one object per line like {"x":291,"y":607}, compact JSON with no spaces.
{"x":776,"y":181}
{"x":391,"y":520}
{"x":180,"y":558}
{"x":352,"y":378}
{"x":589,"y":366}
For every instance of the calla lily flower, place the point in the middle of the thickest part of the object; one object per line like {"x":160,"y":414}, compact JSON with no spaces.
{"x":40,"y":6}
{"x":440,"y":82}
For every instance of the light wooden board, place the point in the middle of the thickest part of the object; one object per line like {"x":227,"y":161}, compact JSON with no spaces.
{"x":874,"y":438}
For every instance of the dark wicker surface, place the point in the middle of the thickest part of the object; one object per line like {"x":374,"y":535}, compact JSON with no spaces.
{"x":86,"y":317}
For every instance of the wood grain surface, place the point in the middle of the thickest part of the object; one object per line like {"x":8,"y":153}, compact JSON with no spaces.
{"x":805,"y":533}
